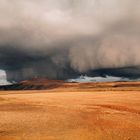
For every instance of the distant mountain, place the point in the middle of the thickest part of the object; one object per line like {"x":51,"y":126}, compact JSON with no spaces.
{"x":45,"y":84}
{"x":33,"y":84}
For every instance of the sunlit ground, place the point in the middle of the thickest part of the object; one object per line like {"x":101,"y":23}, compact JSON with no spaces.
{"x":65,"y":115}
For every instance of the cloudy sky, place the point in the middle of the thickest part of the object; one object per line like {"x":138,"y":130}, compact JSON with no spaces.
{"x":61,"y":39}
{"x":3,"y":79}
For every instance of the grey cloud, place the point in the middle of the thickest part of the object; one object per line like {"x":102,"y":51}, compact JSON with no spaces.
{"x":60,"y":39}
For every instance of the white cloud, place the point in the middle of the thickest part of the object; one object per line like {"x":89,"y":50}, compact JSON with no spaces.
{"x":84,"y":79}
{"x":3,"y":80}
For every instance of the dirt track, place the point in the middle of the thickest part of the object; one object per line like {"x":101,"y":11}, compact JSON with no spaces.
{"x":64,"y":115}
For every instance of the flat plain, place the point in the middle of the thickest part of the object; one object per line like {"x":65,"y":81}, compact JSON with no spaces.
{"x":70,"y":113}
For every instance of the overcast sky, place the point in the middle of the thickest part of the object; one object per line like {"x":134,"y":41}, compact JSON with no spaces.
{"x":59,"y":39}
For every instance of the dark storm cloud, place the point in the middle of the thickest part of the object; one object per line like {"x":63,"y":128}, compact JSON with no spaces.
{"x":61,"y":38}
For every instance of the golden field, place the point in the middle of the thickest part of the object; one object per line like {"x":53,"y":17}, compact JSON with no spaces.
{"x":68,"y":112}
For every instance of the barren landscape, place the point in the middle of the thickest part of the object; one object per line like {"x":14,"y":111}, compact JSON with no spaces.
{"x":95,"y":111}
{"x":70,"y":70}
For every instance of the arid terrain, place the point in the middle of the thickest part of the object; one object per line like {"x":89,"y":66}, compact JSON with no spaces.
{"x":70,"y":111}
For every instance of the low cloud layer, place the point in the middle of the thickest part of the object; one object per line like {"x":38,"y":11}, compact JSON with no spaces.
{"x":60,"y":39}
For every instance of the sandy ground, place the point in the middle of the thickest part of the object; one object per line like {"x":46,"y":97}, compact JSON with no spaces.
{"x":64,"y":115}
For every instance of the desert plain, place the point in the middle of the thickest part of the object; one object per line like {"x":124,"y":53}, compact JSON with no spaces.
{"x":67,"y":112}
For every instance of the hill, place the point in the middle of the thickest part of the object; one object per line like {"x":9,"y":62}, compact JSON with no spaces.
{"x":45,"y":84}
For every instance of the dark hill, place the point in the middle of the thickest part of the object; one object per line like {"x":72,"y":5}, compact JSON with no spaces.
{"x":45,"y":84}
{"x":33,"y":84}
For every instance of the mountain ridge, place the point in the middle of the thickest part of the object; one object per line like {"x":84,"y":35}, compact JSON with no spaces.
{"x":46,"y":84}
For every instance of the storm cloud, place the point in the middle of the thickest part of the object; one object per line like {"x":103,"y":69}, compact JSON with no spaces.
{"x":60,"y":39}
